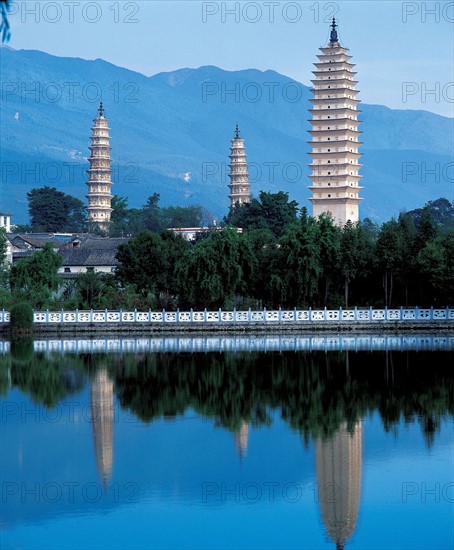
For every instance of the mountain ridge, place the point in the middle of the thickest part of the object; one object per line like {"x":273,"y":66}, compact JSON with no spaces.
{"x":176,"y":139}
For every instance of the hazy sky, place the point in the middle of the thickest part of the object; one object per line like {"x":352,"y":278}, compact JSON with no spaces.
{"x":403,"y":50}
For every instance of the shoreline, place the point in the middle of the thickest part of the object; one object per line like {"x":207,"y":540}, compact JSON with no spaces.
{"x":269,"y":327}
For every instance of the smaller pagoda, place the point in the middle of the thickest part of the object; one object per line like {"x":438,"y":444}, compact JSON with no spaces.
{"x":239,"y":176}
{"x":99,"y":174}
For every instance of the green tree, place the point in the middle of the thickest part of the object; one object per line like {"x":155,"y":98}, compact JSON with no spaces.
{"x":3,"y":245}
{"x":212,"y":273}
{"x":329,"y":243}
{"x":91,"y":287}
{"x":152,"y":218}
{"x":182,"y":216}
{"x":300,"y":262}
{"x":271,"y":211}
{"x":388,"y":256}
{"x":35,"y":279}
{"x":148,"y":261}
{"x":52,"y":211}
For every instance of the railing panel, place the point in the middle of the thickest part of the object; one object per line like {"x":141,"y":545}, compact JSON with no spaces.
{"x":257,"y":316}
{"x":318,"y":315}
{"x":185,"y":317}
{"x":363,"y":315}
{"x":348,"y":315}
{"x":393,"y":314}
{"x":409,"y":314}
{"x":302,"y":315}
{"x":288,"y":315}
{"x":272,"y":315}
{"x":198,"y":316}
{"x":333,"y":315}
{"x":439,"y":314}
{"x":99,"y":317}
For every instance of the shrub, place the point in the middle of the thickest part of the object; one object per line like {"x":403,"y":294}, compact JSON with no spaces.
{"x":21,"y":317}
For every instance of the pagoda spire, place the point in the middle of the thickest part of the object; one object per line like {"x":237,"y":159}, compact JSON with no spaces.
{"x":335,"y":136}
{"x":239,"y":176}
{"x":99,"y":174}
{"x":333,"y":37}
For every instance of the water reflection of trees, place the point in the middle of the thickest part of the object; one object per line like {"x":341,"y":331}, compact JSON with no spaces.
{"x":314,"y":392}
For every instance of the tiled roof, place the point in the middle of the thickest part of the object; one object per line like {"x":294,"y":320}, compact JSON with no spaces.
{"x":88,"y":257}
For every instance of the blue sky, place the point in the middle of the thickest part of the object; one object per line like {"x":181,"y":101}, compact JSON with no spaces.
{"x":403,"y":50}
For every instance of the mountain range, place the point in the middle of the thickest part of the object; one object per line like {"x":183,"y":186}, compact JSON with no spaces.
{"x":171,"y":132}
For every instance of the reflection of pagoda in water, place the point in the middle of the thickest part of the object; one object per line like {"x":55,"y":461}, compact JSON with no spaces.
{"x":242,"y":439}
{"x":102,"y":410}
{"x":339,"y":469}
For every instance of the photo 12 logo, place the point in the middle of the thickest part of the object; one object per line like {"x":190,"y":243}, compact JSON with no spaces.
{"x":268,"y":12}
{"x":69,"y":92}
{"x":425,"y":492}
{"x":424,"y":12}
{"x":251,"y":92}
{"x":75,"y":12}
{"x":67,"y":491}
{"x":421,"y":172}
{"x":424,"y":92}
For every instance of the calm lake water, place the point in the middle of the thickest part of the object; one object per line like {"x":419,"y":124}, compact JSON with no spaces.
{"x":236,"y":442}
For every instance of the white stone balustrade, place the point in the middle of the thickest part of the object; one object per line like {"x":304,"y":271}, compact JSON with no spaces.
{"x":342,"y":316}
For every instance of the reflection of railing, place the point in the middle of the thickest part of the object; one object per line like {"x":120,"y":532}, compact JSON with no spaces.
{"x":205,"y":344}
{"x":240,"y":317}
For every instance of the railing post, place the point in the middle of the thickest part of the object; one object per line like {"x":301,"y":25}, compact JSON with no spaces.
{"x":431,"y":313}
{"x":340,"y":313}
{"x":163,"y":315}
{"x":310,"y":314}
{"x":77,"y":315}
{"x":416,"y":312}
{"x":249,"y":316}
{"x":91,"y":315}
{"x":220,"y":315}
{"x":295,"y":315}
{"x":105,"y":313}
{"x":371,"y":316}
{"x":62,"y":317}
{"x":356,"y":314}
{"x":264,"y":314}
{"x":149,"y":314}
{"x":447,"y":313}
{"x":234,"y":315}
{"x":177,"y":316}
{"x":121,"y":315}
{"x":325,"y":315}
{"x":280,"y":315}
{"x":401,"y":313}
{"x":205,"y":315}
{"x":191,"y":316}
{"x":47,"y":315}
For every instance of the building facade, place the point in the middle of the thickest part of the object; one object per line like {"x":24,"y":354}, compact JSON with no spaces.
{"x":335,"y":137}
{"x":99,"y":174}
{"x":239,"y":176}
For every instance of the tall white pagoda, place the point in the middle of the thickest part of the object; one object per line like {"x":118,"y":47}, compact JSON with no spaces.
{"x":335,"y":158}
{"x":99,"y":174}
{"x":239,"y":176}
